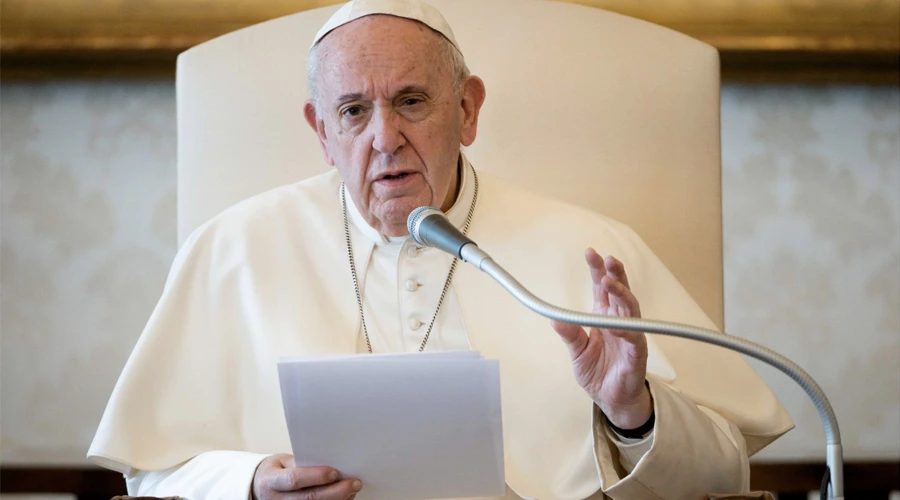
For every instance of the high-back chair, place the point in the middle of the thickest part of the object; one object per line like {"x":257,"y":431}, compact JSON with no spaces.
{"x":612,"y":113}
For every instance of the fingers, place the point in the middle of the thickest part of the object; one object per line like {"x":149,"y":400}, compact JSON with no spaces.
{"x":622,"y":302}
{"x":278,"y":477}
{"x":341,"y":490}
{"x":574,"y":336}
{"x":610,"y":266}
{"x":286,"y":461}
{"x":616,"y":269}
{"x":598,"y":271}
{"x":295,"y":478}
{"x":612,"y":292}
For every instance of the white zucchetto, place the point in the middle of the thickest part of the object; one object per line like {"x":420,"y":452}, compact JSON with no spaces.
{"x":417,"y":10}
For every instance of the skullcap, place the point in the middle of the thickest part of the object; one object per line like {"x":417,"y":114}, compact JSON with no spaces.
{"x":417,"y":10}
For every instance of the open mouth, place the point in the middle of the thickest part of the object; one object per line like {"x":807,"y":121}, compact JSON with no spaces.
{"x":395,"y":176}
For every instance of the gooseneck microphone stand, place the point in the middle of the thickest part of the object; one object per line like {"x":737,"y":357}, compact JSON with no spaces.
{"x":429,"y":227}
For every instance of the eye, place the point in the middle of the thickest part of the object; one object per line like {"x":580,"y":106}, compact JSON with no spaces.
{"x":412,"y":101}
{"x":351,"y":111}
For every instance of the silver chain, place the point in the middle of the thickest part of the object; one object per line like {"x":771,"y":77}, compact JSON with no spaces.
{"x":359,"y":302}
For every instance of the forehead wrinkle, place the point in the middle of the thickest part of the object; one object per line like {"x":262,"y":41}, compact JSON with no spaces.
{"x":382,"y":79}
{"x":385,"y":75}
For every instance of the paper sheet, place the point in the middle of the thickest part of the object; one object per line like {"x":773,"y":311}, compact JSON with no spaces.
{"x":410,"y":426}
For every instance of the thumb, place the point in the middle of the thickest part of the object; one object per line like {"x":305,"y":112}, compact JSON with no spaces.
{"x":286,"y":461}
{"x":574,"y":336}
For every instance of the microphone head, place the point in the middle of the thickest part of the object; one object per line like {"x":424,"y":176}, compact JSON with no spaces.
{"x":414,"y":221}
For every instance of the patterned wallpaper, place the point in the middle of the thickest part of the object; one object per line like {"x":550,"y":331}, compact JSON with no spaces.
{"x":88,"y":233}
{"x":812,"y":251}
{"x":811,"y":199}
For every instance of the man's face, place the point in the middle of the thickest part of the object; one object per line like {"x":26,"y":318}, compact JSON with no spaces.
{"x":389,"y":117}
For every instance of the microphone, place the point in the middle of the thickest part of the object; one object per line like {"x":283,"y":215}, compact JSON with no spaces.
{"x":429,"y":226}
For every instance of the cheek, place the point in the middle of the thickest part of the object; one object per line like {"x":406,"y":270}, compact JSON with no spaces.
{"x":438,"y":144}
{"x":351,"y":157}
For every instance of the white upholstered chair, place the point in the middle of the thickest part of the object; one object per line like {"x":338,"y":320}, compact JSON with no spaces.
{"x":609,"y":112}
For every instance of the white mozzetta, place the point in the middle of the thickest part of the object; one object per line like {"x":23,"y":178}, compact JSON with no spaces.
{"x":262,"y":281}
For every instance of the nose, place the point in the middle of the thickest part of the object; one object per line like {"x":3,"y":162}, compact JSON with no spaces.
{"x":387,"y":136}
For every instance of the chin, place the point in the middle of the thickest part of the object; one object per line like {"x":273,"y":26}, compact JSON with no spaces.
{"x":395,"y":212}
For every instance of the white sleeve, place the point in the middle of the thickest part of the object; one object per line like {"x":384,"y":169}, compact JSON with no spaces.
{"x":213,"y":475}
{"x":630,"y":450}
{"x":693,"y":451}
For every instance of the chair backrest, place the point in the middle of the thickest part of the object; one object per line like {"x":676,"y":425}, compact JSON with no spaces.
{"x":605,"y":111}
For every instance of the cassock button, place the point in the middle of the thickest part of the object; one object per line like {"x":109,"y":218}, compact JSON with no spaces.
{"x":411,"y":285}
{"x":415,"y":324}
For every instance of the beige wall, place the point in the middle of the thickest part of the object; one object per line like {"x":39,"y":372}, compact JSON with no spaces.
{"x":812,"y":251}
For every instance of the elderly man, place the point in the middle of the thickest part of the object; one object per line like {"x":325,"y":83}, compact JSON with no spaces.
{"x":326,"y":266}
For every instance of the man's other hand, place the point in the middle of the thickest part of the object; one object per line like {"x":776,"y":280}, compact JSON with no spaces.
{"x":277,"y":477}
{"x":611,"y":365}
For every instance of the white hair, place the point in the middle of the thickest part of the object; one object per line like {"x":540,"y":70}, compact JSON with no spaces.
{"x":452,"y":57}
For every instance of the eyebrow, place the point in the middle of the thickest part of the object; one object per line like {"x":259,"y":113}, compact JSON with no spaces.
{"x":412,"y":89}
{"x":349,"y":97}
{"x":354,"y":96}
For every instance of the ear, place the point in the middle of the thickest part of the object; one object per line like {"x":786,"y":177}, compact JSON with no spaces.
{"x":472,"y":99}
{"x":318,"y":126}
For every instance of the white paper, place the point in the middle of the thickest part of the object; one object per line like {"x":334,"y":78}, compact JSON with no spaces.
{"x":410,"y":426}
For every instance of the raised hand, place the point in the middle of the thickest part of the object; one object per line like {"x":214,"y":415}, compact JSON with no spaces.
{"x":277,"y":477}
{"x":611,"y":365}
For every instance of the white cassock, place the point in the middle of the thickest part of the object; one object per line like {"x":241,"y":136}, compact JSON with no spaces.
{"x":198,"y":404}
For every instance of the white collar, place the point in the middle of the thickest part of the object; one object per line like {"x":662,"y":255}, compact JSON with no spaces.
{"x":457,"y":213}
